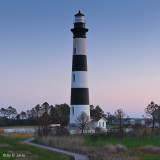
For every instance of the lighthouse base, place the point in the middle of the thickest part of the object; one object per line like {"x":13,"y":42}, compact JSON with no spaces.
{"x":74,"y":129}
{"x":76,"y":110}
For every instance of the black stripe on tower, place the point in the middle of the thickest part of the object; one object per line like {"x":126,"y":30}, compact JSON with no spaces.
{"x":79,"y":96}
{"x":79,"y":63}
{"x":79,"y":30}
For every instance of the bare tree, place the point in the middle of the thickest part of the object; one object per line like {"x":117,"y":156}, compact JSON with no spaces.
{"x":110,"y":117}
{"x":44,"y":122}
{"x":83,"y":122}
{"x":119,"y":115}
{"x":151,"y":110}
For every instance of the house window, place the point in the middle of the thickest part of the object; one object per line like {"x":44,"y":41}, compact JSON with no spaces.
{"x":74,"y":50}
{"x":103,"y":124}
{"x":72,"y":110}
{"x":74,"y":77}
{"x":99,"y":124}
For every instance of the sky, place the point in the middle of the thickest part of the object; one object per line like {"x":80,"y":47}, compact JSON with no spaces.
{"x":123,"y":51}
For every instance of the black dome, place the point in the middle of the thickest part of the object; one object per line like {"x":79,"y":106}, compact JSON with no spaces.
{"x":79,"y":14}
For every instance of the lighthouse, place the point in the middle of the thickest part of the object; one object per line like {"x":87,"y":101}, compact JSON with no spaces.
{"x":79,"y":84}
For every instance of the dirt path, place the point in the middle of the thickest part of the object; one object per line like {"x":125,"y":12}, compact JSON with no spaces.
{"x":71,"y":154}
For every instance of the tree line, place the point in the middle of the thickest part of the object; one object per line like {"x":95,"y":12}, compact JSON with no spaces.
{"x":59,"y":114}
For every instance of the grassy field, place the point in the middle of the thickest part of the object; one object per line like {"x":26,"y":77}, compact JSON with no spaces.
{"x":11,"y":145}
{"x":128,"y":141}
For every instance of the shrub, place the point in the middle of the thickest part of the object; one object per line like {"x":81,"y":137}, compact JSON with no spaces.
{"x":62,"y":131}
{"x":157,"y":132}
{"x":116,"y":148}
{"x":120,"y":148}
{"x":105,"y":135}
{"x":138,"y":131}
{"x":98,"y":130}
{"x":94,"y":137}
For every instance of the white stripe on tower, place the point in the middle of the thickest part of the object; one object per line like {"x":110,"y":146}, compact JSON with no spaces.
{"x":79,"y":82}
{"x":79,"y":79}
{"x":79,"y":45}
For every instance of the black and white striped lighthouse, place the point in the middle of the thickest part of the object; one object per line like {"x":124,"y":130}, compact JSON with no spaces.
{"x":79,"y":82}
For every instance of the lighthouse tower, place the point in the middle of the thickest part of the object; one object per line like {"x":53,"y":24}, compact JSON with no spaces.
{"x":79,"y":82}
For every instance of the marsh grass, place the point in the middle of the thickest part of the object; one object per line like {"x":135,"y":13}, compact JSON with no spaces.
{"x":128,"y":141}
{"x":62,"y":141}
{"x":108,"y":148}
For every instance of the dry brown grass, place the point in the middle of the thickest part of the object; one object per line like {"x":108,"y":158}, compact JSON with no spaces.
{"x":150,"y":149}
{"x":62,"y":141}
{"x":109,"y":152}
{"x":116,"y":148}
{"x":76,"y":144}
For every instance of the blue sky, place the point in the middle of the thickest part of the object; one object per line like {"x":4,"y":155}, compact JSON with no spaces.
{"x":122,"y":47}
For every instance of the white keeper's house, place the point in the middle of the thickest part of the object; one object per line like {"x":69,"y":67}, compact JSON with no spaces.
{"x":100,"y":122}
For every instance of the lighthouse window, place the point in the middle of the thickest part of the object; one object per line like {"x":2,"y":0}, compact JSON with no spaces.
{"x":74,"y":77}
{"x":72,"y":110}
{"x":74,"y":51}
